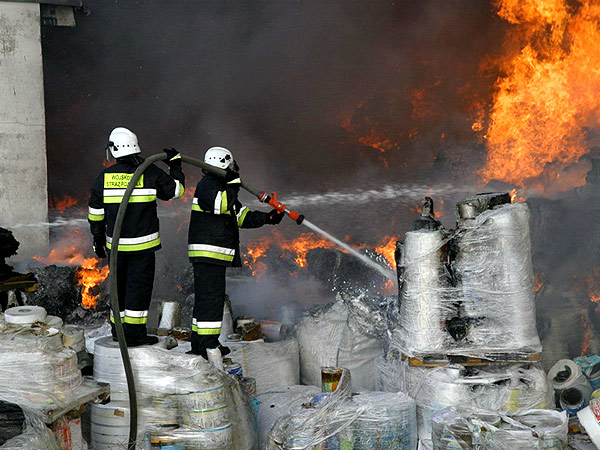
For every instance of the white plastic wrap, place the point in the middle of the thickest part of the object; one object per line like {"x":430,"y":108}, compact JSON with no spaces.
{"x":367,"y":420}
{"x":427,"y":300}
{"x":333,"y":337}
{"x":272,"y":405}
{"x":273,"y":365}
{"x":508,"y":389}
{"x":169,"y":383}
{"x":471,"y":292}
{"x":485,"y":430}
{"x":38,"y":371}
{"x":496,"y":275}
{"x":36,"y":435}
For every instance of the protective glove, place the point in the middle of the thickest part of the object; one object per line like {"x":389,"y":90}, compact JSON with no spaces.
{"x":274,"y":217}
{"x":173,"y":157}
{"x":232,"y":175}
{"x":99,"y":246}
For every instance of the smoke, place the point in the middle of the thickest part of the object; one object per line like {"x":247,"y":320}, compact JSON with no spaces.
{"x":273,"y":81}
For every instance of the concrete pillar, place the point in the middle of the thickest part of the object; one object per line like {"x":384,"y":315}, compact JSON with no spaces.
{"x":23,"y":175}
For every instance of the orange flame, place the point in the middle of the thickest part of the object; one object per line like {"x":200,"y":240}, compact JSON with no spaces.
{"x":89,"y":275}
{"x":61,"y":204}
{"x":67,"y":255}
{"x":548,"y":95}
{"x":538,"y":281}
{"x":388,"y":250}
{"x":303,"y":244}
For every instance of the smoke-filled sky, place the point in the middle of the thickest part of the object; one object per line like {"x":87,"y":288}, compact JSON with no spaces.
{"x":293,"y":88}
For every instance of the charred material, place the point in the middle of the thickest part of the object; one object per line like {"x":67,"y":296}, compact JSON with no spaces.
{"x":427,"y":220}
{"x":12,"y":421}
{"x":60,"y":294}
{"x":9,"y":279}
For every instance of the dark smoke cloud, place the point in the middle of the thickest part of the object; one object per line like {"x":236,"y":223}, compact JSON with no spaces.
{"x":272,"y":80}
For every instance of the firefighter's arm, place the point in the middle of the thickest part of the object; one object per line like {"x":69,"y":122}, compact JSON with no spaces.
{"x":172,"y":186}
{"x":250,"y":219}
{"x":96,"y":217}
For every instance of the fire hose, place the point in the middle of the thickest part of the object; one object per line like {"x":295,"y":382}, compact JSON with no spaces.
{"x":270,"y":199}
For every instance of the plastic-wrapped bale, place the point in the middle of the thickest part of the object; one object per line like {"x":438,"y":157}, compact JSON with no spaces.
{"x":368,"y":420}
{"x":337,"y":335}
{"x":494,"y":270}
{"x":281,"y":402}
{"x":38,"y":370}
{"x":428,"y":301}
{"x":173,"y":386}
{"x":508,"y":389}
{"x":35,"y":436}
{"x":388,"y":421}
{"x":390,"y":372}
{"x":485,"y":430}
{"x":273,"y":365}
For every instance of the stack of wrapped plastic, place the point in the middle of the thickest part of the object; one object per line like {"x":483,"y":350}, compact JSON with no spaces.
{"x":36,"y":368}
{"x":507,"y":389}
{"x":463,"y":428}
{"x":493,"y":266}
{"x":178,"y":395}
{"x":348,"y":333}
{"x":273,"y":365}
{"x":365,"y":420}
{"x":470,"y":292}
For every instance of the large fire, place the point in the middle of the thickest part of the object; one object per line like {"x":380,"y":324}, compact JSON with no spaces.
{"x":546,"y":97}
{"x":89,"y":275}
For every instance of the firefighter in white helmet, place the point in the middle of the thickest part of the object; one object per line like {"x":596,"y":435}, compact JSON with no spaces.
{"x":214,"y":245}
{"x":140,"y":231}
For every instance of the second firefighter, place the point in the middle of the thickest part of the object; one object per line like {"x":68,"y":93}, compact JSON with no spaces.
{"x":214,"y":244}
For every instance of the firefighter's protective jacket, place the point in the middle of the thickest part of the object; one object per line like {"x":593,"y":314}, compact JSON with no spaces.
{"x":216,"y":216}
{"x":140,"y":231}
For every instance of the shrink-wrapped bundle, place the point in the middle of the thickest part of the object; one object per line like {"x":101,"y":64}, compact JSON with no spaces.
{"x":427,"y":299}
{"x":508,"y":388}
{"x":278,"y":403}
{"x":273,"y":365}
{"x":337,"y":336}
{"x":367,"y":420}
{"x":464,"y":428}
{"x":169,"y":384}
{"x":494,"y":271}
{"x":38,"y":370}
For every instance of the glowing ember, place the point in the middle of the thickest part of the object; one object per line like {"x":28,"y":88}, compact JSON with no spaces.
{"x":538,"y":281}
{"x":547,"y":97}
{"x":593,"y":284}
{"x":587,"y":333}
{"x":89,"y":275}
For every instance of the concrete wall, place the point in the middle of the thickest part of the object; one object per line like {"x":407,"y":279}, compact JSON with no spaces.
{"x":23,"y":179}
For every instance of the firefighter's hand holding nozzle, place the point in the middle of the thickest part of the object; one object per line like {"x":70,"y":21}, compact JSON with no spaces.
{"x":99,"y":246}
{"x":274,"y":217}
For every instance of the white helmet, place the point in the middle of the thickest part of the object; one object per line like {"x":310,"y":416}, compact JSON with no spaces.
{"x":219,"y":157}
{"x":122,"y":142}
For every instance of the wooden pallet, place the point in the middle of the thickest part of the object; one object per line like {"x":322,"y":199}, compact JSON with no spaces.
{"x":486,"y":360}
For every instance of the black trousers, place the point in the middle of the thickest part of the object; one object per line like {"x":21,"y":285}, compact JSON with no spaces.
{"x":209,"y":288}
{"x":135,"y":280}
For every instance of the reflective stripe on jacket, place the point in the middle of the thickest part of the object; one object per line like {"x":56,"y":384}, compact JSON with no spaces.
{"x":216,"y":216}
{"x":140,"y":230}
